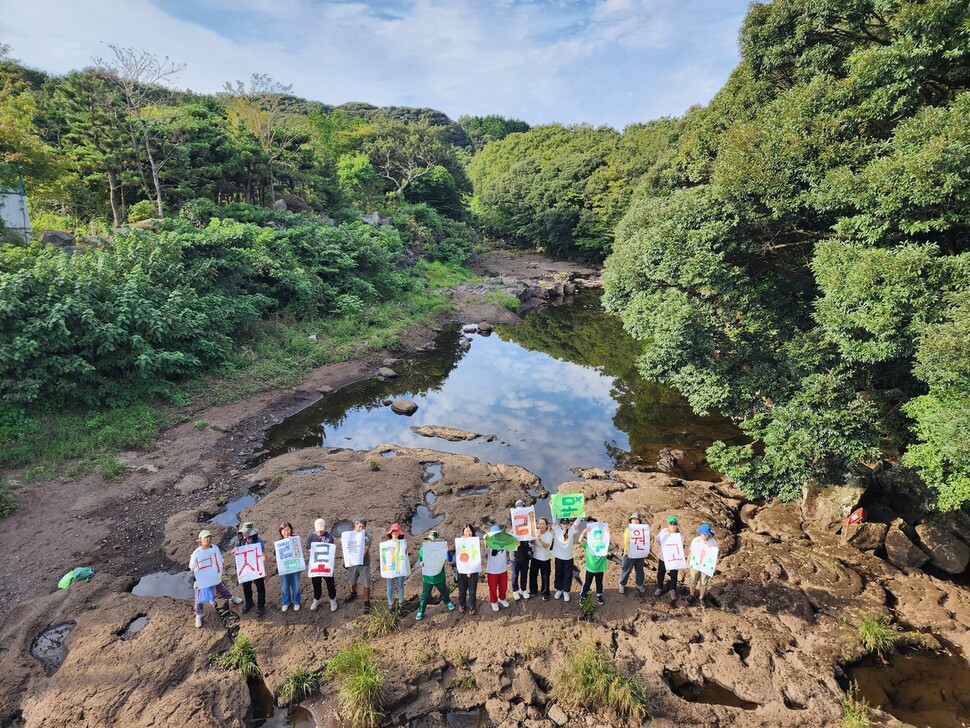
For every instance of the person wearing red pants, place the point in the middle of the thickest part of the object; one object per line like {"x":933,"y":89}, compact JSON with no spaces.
{"x":497,"y":573}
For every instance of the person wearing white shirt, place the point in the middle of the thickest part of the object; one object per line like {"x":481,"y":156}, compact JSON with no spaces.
{"x":697,"y":577}
{"x":541,"y":556}
{"x":563,"y":541}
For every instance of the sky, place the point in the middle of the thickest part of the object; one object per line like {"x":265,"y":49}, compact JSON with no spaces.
{"x":612,"y":62}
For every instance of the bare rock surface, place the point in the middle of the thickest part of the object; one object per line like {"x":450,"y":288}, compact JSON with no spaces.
{"x":451,"y":434}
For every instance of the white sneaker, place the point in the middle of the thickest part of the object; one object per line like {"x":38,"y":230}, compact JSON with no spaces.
{"x":622,"y":589}
{"x":658,"y":591}
{"x":641,"y":589}
{"x":236,"y":600}
{"x":557,"y":594}
{"x":526,"y":595}
{"x":503,"y":602}
{"x":314,"y":604}
{"x":333,"y":605}
{"x":565,"y":596}
{"x":285,"y":607}
{"x":198,"y":620}
{"x":515,"y":595}
{"x":296,"y":607}
{"x":494,"y":606}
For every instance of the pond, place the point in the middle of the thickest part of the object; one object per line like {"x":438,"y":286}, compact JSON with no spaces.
{"x":558,"y":391}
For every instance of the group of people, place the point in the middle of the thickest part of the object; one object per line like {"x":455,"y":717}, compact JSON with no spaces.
{"x":549,"y":555}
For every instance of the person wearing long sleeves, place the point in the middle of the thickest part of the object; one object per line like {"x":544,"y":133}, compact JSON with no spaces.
{"x":563,"y":546}
{"x":670,"y":530}
{"x":541,"y":556}
{"x":630,"y":564}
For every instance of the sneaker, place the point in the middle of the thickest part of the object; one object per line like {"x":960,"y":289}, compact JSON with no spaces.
{"x":419,"y":616}
{"x":622,"y":589}
{"x":245,"y":610}
{"x":691,"y":599}
{"x":565,"y":596}
{"x":350,"y":597}
{"x":451,"y":607}
{"x":515,"y":595}
{"x":390,"y":605}
{"x":461,"y":610}
{"x":641,"y":589}
{"x":260,"y":611}
{"x":198,"y":620}
{"x":658,"y":591}
{"x":296,"y":607}
{"x":236,"y":600}
{"x":599,"y":598}
{"x":473,"y":611}
{"x":333,"y":605}
{"x":314,"y":604}
{"x":557,"y":594}
{"x":526,"y":595}
{"x":285,"y":607}
{"x":545,"y":597}
{"x":700,"y":603}
{"x":366,"y":607}
{"x":673,"y":595}
{"x":504,"y":603}
{"x":494,"y":606}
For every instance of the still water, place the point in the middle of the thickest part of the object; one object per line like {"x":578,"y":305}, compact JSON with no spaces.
{"x":558,"y":391}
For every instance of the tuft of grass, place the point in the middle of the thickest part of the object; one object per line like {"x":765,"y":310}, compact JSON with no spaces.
{"x":877,"y":636}
{"x":591,"y":682}
{"x":201,"y":424}
{"x":8,"y":499}
{"x":276,"y":479}
{"x":362,"y":684}
{"x":373,"y":465}
{"x":241,"y":656}
{"x":587,"y":606}
{"x":299,"y":685}
{"x":111,"y":467}
{"x":459,"y":659}
{"x":465,"y":681}
{"x":440,"y":275}
{"x":855,"y":711}
{"x":381,"y":622}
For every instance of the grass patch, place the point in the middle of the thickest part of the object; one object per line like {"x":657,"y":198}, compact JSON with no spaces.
{"x":362,"y":684}
{"x":440,"y":275}
{"x":877,"y":636}
{"x":381,"y":621}
{"x":111,"y":467}
{"x":8,"y":499}
{"x":587,"y":606}
{"x":591,"y":682}
{"x":201,"y":424}
{"x":465,"y":681}
{"x":855,"y":711}
{"x":299,"y":685}
{"x":241,"y":656}
{"x":373,"y":465}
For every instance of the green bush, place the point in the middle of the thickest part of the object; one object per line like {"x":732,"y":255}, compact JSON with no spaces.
{"x":299,"y":685}
{"x":141,"y":210}
{"x":8,"y":500}
{"x":876,"y":635}
{"x":241,"y":656}
{"x":362,"y":684}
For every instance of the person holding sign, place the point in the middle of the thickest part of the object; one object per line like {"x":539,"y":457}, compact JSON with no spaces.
{"x":468,"y":561}
{"x":360,"y":572}
{"x":249,"y":536}
{"x":432,"y":558}
{"x":563,"y":540}
{"x":541,"y":556}
{"x":636,"y":546}
{"x":398,"y":558}
{"x":523,"y":527}
{"x":318,"y":575}
{"x":595,"y":540}
{"x":671,"y":557}
{"x":703,"y":554}
{"x":289,"y":581}
{"x":497,"y":566}
{"x":206,"y":564}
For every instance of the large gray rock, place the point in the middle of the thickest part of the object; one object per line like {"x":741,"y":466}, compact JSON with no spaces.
{"x":60,"y":238}
{"x":279,"y":205}
{"x":826,"y":508}
{"x":387,"y":372}
{"x":191,"y":483}
{"x":946,"y":551}
{"x":901,"y":551}
{"x":404,"y":407}
{"x":865,"y":536}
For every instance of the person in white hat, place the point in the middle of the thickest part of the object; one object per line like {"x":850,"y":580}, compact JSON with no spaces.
{"x":321,"y":535}
{"x":205,"y":558}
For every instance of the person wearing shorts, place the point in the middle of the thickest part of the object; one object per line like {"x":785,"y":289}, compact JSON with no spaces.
{"x":696,"y":577}
{"x":360,"y":574}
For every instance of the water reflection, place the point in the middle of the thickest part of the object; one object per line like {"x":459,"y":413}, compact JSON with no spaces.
{"x":559,"y":390}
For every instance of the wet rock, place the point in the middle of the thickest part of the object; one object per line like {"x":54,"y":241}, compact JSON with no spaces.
{"x":676,"y":461}
{"x":191,"y":483}
{"x":901,"y":551}
{"x":390,"y":362}
{"x":325,"y":390}
{"x":591,"y":473}
{"x":826,"y":508}
{"x":484,"y":327}
{"x":469,"y":329}
{"x":448,"y":433}
{"x":387,"y":373}
{"x":865,"y":536}
{"x":945,"y":550}
{"x":557,"y":715}
{"x":404,"y":407}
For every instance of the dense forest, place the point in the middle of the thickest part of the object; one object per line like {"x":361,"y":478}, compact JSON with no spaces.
{"x":794,"y":254}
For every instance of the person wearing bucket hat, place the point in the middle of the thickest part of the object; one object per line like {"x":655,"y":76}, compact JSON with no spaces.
{"x":247,"y":536}
{"x":672,"y":528}
{"x":429,"y":582}
{"x":396,"y":534}
{"x":497,"y":573}
{"x":206,"y":564}
{"x":360,"y":573}
{"x":696,"y":577}
{"x":631,"y":564}
{"x":321,"y":535}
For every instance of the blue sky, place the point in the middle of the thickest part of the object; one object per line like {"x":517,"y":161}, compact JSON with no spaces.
{"x":610,"y":62}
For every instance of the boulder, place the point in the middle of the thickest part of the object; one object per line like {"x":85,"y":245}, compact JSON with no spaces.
{"x":279,"y":205}
{"x":867,"y":536}
{"x":390,"y":362}
{"x":404,"y":407}
{"x":484,"y":327}
{"x":60,"y":238}
{"x":826,"y":508}
{"x":901,"y":551}
{"x":469,"y":328}
{"x":945,"y":550}
{"x":325,"y":390}
{"x":387,"y":372}
{"x":676,"y":461}
{"x":191,"y":483}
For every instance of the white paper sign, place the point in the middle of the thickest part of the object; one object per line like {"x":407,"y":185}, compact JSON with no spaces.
{"x":207,"y":567}
{"x":250,"y":562}
{"x":322,"y":559}
{"x":435,"y":553}
{"x":289,"y":555}
{"x":673,"y":552}
{"x":524,"y":523}
{"x":639,"y":540}
{"x":354,"y":546}
{"x":598,"y":539}
{"x":468,"y":555}
{"x":703,"y":557}
{"x":394,"y":558}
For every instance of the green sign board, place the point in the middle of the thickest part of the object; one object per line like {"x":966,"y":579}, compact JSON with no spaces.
{"x":568,"y":505}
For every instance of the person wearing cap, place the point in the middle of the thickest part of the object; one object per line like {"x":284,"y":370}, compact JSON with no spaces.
{"x":497,"y":573}
{"x":434,"y":581}
{"x":671,"y":529}
{"x":520,"y":565}
{"x":289,"y":583}
{"x":321,"y":535}
{"x":628,"y":564}
{"x":360,"y":573}
{"x":247,"y":536}
{"x":207,"y":556}
{"x":395,"y":533}
{"x":695,"y":577}
{"x":468,"y":583}
{"x":541,"y":561}
{"x":564,"y":538}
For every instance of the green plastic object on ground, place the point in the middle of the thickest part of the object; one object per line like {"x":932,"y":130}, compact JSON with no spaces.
{"x":568,"y":505}
{"x":505,"y":541}
{"x":80,"y":573}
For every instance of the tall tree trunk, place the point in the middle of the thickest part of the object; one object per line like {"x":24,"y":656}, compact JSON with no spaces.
{"x":113,"y":195}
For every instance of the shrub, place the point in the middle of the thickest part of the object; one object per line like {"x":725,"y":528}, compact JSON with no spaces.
{"x":591,"y":682}
{"x":241,"y":656}
{"x":587,"y":606}
{"x":111,"y":467}
{"x":141,"y":210}
{"x":299,"y":685}
{"x":876,"y":635}
{"x":373,"y":465}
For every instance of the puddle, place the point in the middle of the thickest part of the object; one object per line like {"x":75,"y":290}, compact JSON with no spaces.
{"x":266,"y":714}
{"x":430,"y":497}
{"x":131,"y":630}
{"x":465,"y":718}
{"x":424,"y":520}
{"x":710,"y":692}
{"x":230,"y":517}
{"x":475,"y":490}
{"x":307,"y":471}
{"x":921,"y":688}
{"x":432,"y":473}
{"x":389,"y":454}
{"x":49,"y":647}
{"x":162,"y":584}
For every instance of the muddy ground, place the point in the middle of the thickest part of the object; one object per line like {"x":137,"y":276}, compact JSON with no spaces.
{"x":781,"y":623}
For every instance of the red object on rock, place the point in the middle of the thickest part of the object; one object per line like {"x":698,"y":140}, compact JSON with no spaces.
{"x":857,"y":516}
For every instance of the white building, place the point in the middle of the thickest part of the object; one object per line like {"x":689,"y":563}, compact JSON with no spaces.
{"x":13,"y":209}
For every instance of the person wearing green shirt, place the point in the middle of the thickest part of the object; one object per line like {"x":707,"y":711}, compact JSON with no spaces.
{"x":429,"y":583}
{"x":595,"y":567}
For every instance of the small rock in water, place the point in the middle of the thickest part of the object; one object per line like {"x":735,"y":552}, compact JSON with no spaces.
{"x":404,"y":407}
{"x":387,"y":372}
{"x":484,"y":327}
{"x":469,"y":328}
{"x":325,"y":390}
